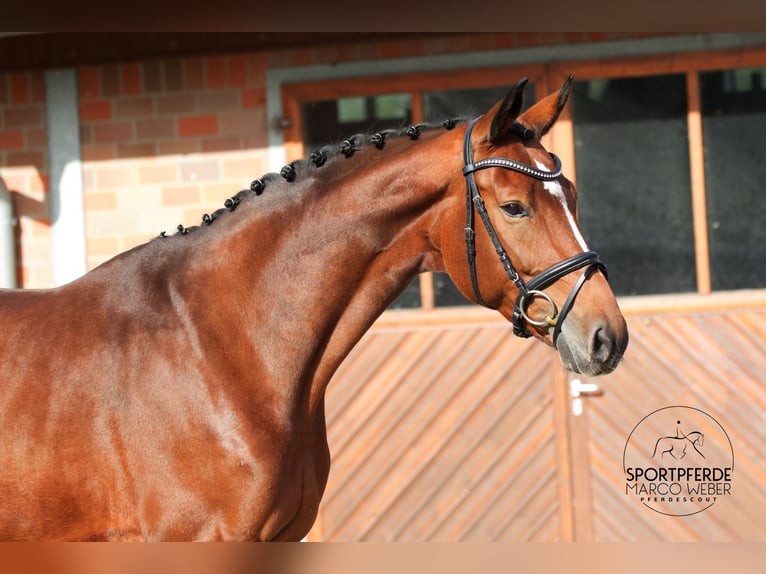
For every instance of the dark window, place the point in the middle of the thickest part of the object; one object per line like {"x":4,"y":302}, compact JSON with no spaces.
{"x":331,"y":121}
{"x":633,"y":178}
{"x":733,"y":122}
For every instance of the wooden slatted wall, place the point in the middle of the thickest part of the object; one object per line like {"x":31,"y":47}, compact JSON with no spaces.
{"x":452,"y":431}
{"x":425,"y":428}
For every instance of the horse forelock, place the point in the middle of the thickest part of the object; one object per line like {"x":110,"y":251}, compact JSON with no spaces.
{"x":328,"y":162}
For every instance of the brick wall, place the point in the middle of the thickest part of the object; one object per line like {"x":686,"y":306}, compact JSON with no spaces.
{"x":164,"y":141}
{"x":23,"y":167}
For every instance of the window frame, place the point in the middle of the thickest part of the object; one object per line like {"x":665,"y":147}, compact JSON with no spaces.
{"x":547,"y":77}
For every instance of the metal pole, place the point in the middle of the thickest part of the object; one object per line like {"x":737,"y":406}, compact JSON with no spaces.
{"x":7,"y":239}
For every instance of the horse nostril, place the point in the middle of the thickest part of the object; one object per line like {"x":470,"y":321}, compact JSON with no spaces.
{"x":602,"y":345}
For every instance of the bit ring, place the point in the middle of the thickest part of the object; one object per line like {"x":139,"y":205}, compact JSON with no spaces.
{"x":549,"y":320}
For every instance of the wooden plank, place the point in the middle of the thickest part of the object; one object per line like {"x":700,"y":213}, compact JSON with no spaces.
{"x":561,"y":409}
{"x":702,"y":359}
{"x":697,"y":169}
{"x":474,"y":315}
{"x":427,"y":299}
{"x":406,"y":83}
{"x":655,"y":64}
{"x":293,"y":137}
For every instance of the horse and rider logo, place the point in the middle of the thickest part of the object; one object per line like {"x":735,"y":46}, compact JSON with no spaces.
{"x":678,"y":446}
{"x":678,"y":461}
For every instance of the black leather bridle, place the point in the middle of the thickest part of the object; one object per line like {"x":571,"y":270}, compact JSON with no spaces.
{"x":535,"y":286}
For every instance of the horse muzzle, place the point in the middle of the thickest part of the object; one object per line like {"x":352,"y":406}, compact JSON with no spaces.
{"x":594,"y":348}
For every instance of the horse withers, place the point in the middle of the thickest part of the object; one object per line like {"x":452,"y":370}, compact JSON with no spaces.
{"x":176,"y":392}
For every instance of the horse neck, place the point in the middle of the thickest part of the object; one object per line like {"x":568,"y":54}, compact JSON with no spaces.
{"x":311,"y":271}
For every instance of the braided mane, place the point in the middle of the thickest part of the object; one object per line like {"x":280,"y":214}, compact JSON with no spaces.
{"x":290,"y":172}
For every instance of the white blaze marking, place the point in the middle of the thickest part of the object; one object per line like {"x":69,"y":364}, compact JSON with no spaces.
{"x":554,"y":188}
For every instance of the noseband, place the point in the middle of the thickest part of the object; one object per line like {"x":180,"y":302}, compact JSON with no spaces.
{"x":533,"y":288}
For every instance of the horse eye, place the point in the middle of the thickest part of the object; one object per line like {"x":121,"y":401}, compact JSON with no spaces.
{"x":515,"y":209}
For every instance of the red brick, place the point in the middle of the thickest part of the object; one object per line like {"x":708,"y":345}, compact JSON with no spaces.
{"x":98,"y":201}
{"x":596,"y":36}
{"x":112,"y":132}
{"x":255,"y":98}
{"x":216,"y":72}
{"x":481,"y":42}
{"x":16,"y":182}
{"x":133,"y":107}
{"x":179,"y":147}
{"x":131,"y":79}
{"x":391,"y":50}
{"x":326,"y":54}
{"x":13,"y":139}
{"x":37,"y":88}
{"x":370,"y":51}
{"x":86,"y":134}
{"x":199,"y":171}
{"x":574,"y":37}
{"x":152,"y":77}
{"x":255,"y":140}
{"x":34,"y":159}
{"x":526,"y":39}
{"x":149,"y":174}
{"x":35,"y":227}
{"x":19,"y":88}
{"x":303,"y":57}
{"x":95,"y":110}
{"x":347,"y":52}
{"x":102,"y":246}
{"x":226,"y":143}
{"x":173,"y":76}
{"x":88,"y":176}
{"x":37,"y":137}
{"x":176,"y":104}
{"x":280,"y":59}
{"x":23,"y":117}
{"x":214,"y":101}
{"x":550,"y":38}
{"x":245,"y":121}
{"x":257,"y":64}
{"x":412,"y":48}
{"x":244,"y":168}
{"x":186,"y":195}
{"x":195,"y":74}
{"x":155,"y":128}
{"x":3,"y":89}
{"x":197,"y":125}
{"x":114,"y":177}
{"x":110,"y":81}
{"x":98,"y":152}
{"x":133,"y":150}
{"x":90,"y":82}
{"x":39,"y":182}
{"x":237,"y":71}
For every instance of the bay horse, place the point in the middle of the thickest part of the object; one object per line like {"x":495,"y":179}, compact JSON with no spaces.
{"x":176,"y":392}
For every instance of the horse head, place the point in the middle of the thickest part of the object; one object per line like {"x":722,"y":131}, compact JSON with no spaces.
{"x":546,"y":281}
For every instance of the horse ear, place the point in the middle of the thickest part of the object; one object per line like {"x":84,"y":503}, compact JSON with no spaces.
{"x":540,"y":117}
{"x":505,"y":112}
